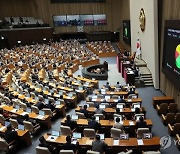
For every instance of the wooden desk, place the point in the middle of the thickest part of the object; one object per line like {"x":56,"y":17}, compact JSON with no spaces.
{"x":131,"y":143}
{"x":46,"y":119}
{"x":162,"y":99}
{"x":22,"y":134}
{"x":125,"y":93}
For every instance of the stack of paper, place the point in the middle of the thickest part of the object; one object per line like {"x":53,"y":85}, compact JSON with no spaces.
{"x":89,"y":142}
{"x":51,"y":138}
{"x":131,"y":123}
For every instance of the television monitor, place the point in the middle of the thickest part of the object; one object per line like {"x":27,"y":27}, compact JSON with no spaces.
{"x":86,"y":20}
{"x":28,"y":110}
{"x":73,"y":20}
{"x":7,"y":123}
{"x":17,"y":107}
{"x":59,"y":20}
{"x":127,"y":31}
{"x":41,"y":113}
{"x":171,"y":52}
{"x":58,"y":103}
{"x":99,"y":19}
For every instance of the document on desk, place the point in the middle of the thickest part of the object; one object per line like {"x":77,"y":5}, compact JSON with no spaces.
{"x":24,"y":113}
{"x":94,"y":99}
{"x":129,"y":100}
{"x":58,"y":106}
{"x":13,"y":110}
{"x":131,"y":123}
{"x":116,"y":142}
{"x":40,"y":117}
{"x":51,"y":138}
{"x":2,"y":128}
{"x":89,"y":142}
{"x":140,"y":142}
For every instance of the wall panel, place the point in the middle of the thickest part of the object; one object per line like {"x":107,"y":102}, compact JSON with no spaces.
{"x":170,"y":10}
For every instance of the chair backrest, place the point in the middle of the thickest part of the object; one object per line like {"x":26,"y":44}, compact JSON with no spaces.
{"x":65,"y":130}
{"x":91,"y":104}
{"x":92,"y":152}
{"x":151,"y":152}
{"x":88,"y":132}
{"x":41,"y":97}
{"x":115,"y":96}
{"x":66,"y":152}
{"x":176,"y":129}
{"x":101,"y":116}
{"x":14,"y":123}
{"x":177,"y":119}
{"x":100,"y":96}
{"x":47,"y":112}
{"x":3,"y":145}
{"x":128,"y":152}
{"x":170,"y":118}
{"x":2,"y":119}
{"x":163,"y":108}
{"x":131,"y":96}
{"x":172,"y":108}
{"x":138,"y":115}
{"x":115,"y":133}
{"x":42,"y":150}
{"x":32,"y":95}
{"x":141,"y":131}
{"x":35,"y":109}
{"x":28,"y":126}
{"x":23,"y":106}
{"x":51,"y":99}
{"x":80,"y":115}
{"x":106,"y":104}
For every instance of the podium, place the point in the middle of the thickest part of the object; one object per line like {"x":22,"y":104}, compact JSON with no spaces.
{"x":129,"y":75}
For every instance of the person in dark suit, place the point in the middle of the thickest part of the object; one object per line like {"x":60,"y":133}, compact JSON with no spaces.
{"x":141,"y":123}
{"x":85,"y":111}
{"x":41,"y":105}
{"x":118,"y":85}
{"x":94,"y":124}
{"x":10,"y":134}
{"x":99,"y":145}
{"x":108,"y":86}
{"x":51,"y":106}
{"x":131,"y":91}
{"x":121,"y":100}
{"x":43,"y":143}
{"x":68,"y":122}
{"x":69,"y":146}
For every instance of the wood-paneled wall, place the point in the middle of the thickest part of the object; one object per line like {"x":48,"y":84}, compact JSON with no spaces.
{"x":170,"y":10}
{"x":116,"y":11}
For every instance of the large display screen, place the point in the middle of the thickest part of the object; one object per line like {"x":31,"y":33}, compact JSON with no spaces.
{"x":127,"y":31}
{"x":171,"y":52}
{"x":76,"y":1}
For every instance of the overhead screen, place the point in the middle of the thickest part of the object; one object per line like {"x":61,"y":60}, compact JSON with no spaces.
{"x":171,"y":52}
{"x":79,"y":20}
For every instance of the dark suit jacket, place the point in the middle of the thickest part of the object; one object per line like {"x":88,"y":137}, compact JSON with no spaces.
{"x":50,"y":106}
{"x":71,"y":124}
{"x":40,"y":105}
{"x":141,"y":124}
{"x":10,"y":135}
{"x":69,"y":146}
{"x":85,"y":112}
{"x":50,"y":148}
{"x":94,"y":125}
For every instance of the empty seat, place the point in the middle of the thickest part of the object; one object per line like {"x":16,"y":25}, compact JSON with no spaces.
{"x":88,"y":132}
{"x":65,"y":130}
{"x":141,"y":131}
{"x":35,"y":109}
{"x":92,"y":152}
{"x":173,"y":130}
{"x":91,"y":104}
{"x":172,"y":108}
{"x":14,"y":123}
{"x":48,"y":112}
{"x":4,"y":146}
{"x":66,"y":152}
{"x":115,"y":133}
{"x":23,"y":106}
{"x":168,"y":119}
{"x":42,"y":150}
{"x":162,"y":109}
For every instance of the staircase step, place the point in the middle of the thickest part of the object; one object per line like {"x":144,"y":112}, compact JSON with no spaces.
{"x":147,"y":79}
{"x":149,"y":84}
{"x":146,"y":76}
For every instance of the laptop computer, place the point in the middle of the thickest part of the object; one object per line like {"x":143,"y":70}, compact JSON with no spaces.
{"x":41,"y":113}
{"x":7,"y":123}
{"x":120,"y":106}
{"x":136,"y":106}
{"x":101,"y":106}
{"x":77,"y":135}
{"x":137,"y":117}
{"x":97,"y":118}
{"x":28,"y":110}
{"x":58,"y":102}
{"x":70,"y":95}
{"x":55,"y":133}
{"x":80,"y":88}
{"x":124,"y":136}
{"x":74,"y":117}
{"x":147,"y":135}
{"x":46,"y":101}
{"x":17,"y":107}
{"x":102,"y":136}
{"x":20,"y":127}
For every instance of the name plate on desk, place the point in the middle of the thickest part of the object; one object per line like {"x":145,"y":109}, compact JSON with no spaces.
{"x":13,"y":110}
{"x":89,"y":142}
{"x":116,"y":142}
{"x":140,"y":142}
{"x":131,"y":123}
{"x":52,"y":138}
